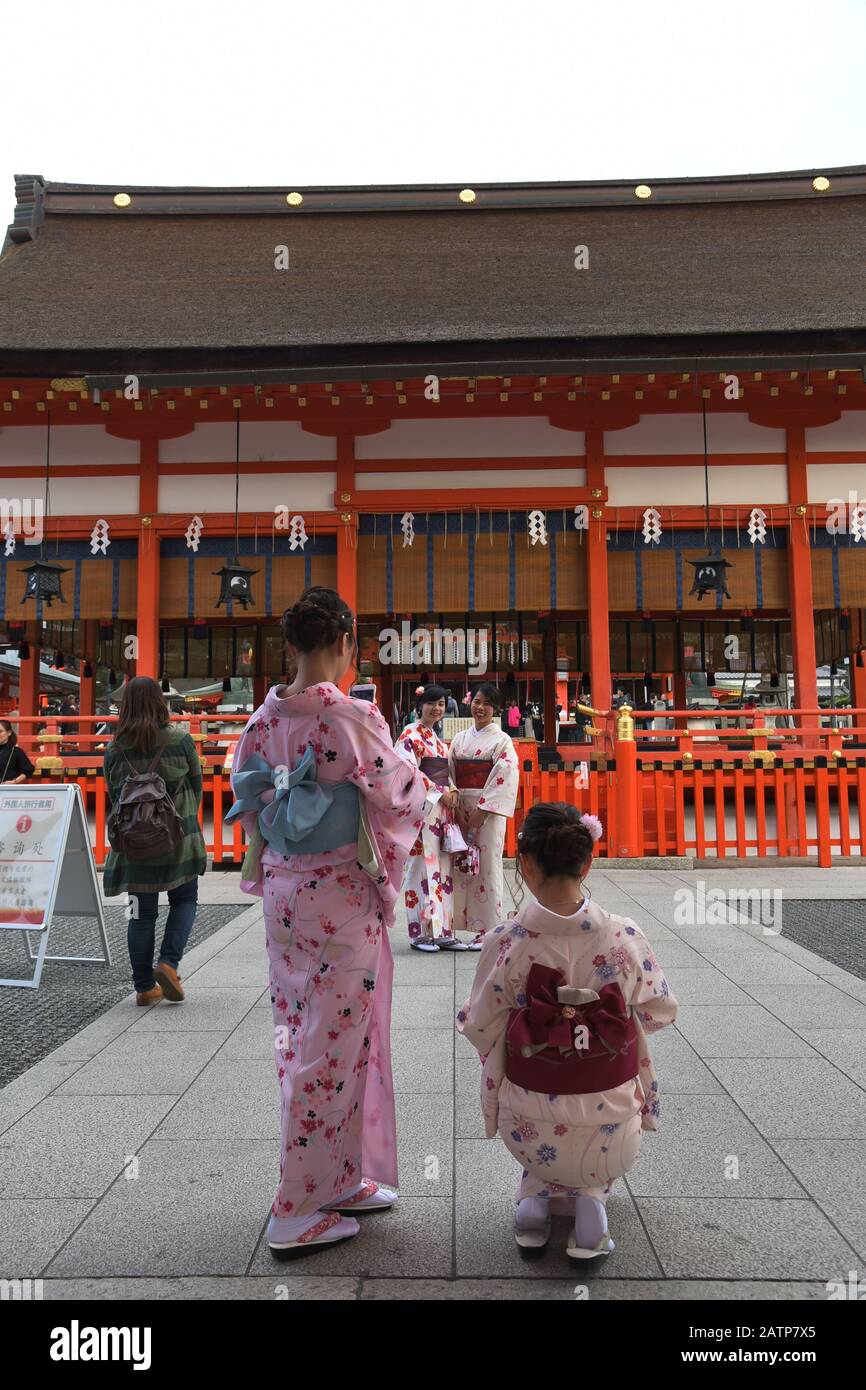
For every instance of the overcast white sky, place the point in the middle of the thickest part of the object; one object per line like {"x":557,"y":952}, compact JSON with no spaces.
{"x":400,"y":91}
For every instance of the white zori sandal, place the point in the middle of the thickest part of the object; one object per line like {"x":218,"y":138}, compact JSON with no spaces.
{"x":532,"y":1226}
{"x":330,"y":1229}
{"x":589,"y":1238}
{"x":370,"y":1196}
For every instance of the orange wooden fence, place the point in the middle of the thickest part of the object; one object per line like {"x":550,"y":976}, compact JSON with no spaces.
{"x":794,"y":792}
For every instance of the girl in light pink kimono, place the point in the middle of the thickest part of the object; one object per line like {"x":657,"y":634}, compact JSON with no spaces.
{"x":563,"y":1000}
{"x":333,"y":812}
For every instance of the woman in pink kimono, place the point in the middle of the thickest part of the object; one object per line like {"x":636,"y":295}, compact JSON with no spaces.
{"x":563,"y":998}
{"x":332,"y":812}
{"x":485,"y":771}
{"x":427,"y":884}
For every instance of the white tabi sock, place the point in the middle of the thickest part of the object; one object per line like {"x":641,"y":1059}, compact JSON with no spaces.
{"x":533,"y":1213}
{"x":590,"y":1221}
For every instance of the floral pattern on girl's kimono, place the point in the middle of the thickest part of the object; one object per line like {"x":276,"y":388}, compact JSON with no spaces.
{"x":330,"y":965}
{"x":428,"y":911}
{"x":479,"y":899}
{"x":580,"y":1142}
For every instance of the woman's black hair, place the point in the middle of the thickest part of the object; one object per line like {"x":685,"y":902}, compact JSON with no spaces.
{"x":318,"y":618}
{"x":491,"y":695}
{"x":13,"y":737}
{"x":431,"y":693}
{"x":556,"y":838}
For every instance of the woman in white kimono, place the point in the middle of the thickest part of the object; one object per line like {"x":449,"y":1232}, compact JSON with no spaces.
{"x":427,"y":880}
{"x":563,"y":1000}
{"x":485,"y":771}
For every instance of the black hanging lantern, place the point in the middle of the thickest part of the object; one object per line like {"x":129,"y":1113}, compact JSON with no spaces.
{"x":112,"y":679}
{"x":16,"y":632}
{"x":227,"y":683}
{"x":88,"y":670}
{"x":59,"y":660}
{"x":235,"y":584}
{"x":165,"y":687}
{"x":235,"y":577}
{"x":710,"y":572}
{"x":710,"y":577}
{"x":844,"y":620}
{"x":43,"y":582}
{"x":106,"y":632}
{"x":199,"y":630}
{"x":24,"y":651}
{"x":747,"y":621}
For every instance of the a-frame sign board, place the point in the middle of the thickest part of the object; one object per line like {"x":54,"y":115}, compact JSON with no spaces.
{"x":46,"y":865}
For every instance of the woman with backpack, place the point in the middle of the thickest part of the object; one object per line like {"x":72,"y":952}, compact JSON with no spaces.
{"x":153,"y":782}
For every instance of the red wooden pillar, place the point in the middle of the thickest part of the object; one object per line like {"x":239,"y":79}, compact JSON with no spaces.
{"x":800,"y":581}
{"x":596,"y":577}
{"x":28,"y":685}
{"x":87,"y":684}
{"x":147,"y":607}
{"x":347,"y":536}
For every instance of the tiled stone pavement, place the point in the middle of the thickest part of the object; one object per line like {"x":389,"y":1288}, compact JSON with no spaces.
{"x":139,"y":1159}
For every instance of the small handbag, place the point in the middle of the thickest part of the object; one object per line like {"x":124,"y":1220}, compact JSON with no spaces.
{"x":452,"y":839}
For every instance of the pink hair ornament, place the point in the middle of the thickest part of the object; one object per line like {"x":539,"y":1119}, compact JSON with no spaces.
{"x":594,"y":826}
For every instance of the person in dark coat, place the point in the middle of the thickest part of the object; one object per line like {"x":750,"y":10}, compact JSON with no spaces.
{"x":15,"y":766}
{"x":143,"y":728}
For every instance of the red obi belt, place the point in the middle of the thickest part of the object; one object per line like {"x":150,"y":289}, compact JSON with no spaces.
{"x":471,"y":774}
{"x":569,"y":1049}
{"x":436,"y":769}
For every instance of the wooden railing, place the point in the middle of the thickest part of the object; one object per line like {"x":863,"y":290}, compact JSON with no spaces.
{"x":714,"y":794}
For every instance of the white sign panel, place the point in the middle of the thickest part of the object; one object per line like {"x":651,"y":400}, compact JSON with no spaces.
{"x":46,"y":864}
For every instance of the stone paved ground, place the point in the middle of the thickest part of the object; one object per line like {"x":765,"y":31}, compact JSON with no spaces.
{"x":765,"y":1067}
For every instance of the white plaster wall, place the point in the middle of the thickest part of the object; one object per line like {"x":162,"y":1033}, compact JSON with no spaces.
{"x":848,"y":432}
{"x":733,"y":433}
{"x":684,"y":486}
{"x":78,"y":496}
{"x":24,"y":446}
{"x":828,"y":480}
{"x":445,"y":481}
{"x":485,"y":438}
{"x":260,"y":443}
{"x":258,"y":492}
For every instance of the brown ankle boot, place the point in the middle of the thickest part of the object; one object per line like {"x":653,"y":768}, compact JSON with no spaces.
{"x":170,"y":980}
{"x":148,"y":996}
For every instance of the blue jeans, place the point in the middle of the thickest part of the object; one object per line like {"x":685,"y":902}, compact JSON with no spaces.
{"x":182,"y":903}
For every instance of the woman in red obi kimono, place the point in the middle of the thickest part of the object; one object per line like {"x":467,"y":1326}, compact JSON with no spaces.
{"x":563,"y":998}
{"x":427,"y":885}
{"x":485,"y":771}
{"x":332,"y":812}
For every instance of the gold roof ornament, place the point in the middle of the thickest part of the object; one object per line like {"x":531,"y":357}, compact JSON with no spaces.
{"x":121,"y":200}
{"x":643,"y":190}
{"x":820,"y":184}
{"x":295,"y":200}
{"x":467,"y":195}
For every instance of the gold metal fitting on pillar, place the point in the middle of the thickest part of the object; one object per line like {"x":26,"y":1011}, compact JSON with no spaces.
{"x":346,"y":517}
{"x":688,"y":757}
{"x":625,"y":724}
{"x":765,"y":756}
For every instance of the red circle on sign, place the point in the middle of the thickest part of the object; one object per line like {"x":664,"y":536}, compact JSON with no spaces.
{"x":23,"y":823}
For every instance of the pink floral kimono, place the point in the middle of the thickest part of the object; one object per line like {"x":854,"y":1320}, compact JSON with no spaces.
{"x":331,"y":968}
{"x":479,"y":899}
{"x":428,"y":884}
{"x":567,"y":1144}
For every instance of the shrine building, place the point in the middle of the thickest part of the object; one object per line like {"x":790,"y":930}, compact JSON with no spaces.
{"x":542,"y":414}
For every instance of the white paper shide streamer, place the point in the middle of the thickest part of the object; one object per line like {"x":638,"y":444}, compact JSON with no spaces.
{"x":537,"y":528}
{"x":99,"y":540}
{"x":652,"y":526}
{"x":407,"y":524}
{"x":193,"y":533}
{"x":297,"y":533}
{"x":757,"y":526}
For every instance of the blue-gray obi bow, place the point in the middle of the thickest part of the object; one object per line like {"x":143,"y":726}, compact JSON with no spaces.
{"x":305,"y":816}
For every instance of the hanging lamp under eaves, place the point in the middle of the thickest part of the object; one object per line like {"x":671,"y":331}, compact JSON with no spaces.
{"x":235,"y":577}
{"x":709,"y":571}
{"x":43,"y":581}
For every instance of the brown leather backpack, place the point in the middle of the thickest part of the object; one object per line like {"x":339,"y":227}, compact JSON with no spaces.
{"x":144,"y":822}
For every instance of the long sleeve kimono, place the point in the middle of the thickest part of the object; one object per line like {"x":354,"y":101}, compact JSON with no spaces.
{"x":570,"y":1143}
{"x":330,"y":963}
{"x":427,"y":882}
{"x":479,"y":898}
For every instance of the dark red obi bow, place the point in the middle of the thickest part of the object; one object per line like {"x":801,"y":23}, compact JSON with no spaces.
{"x":568,"y":1041}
